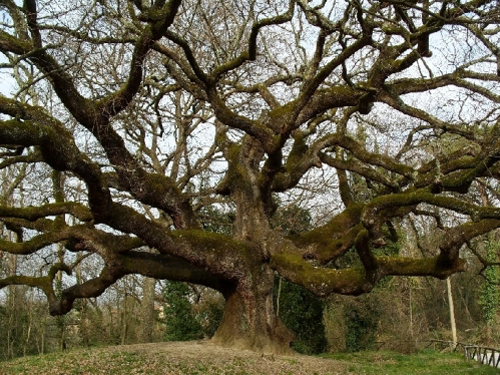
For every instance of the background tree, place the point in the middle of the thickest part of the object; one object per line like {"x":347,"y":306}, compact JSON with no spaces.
{"x":490,"y":295}
{"x":147,"y":309}
{"x":299,"y":309}
{"x":160,"y":110}
{"x":180,"y":319}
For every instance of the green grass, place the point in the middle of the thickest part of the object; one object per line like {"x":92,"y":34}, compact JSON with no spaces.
{"x":426,"y":362}
{"x":160,"y":360}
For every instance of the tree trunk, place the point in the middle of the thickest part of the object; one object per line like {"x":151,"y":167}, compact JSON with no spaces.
{"x":249,"y":320}
{"x":124,"y":321}
{"x":452,"y":312}
{"x":147,"y":310}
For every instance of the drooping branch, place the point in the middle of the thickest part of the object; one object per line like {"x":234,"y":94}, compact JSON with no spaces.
{"x":290,"y":263}
{"x":37,"y":242}
{"x":157,"y":266}
{"x":220,"y":254}
{"x":78,"y":210}
{"x":456,"y":237}
{"x":168,"y":268}
{"x":10,"y":160}
{"x":333,"y":239}
{"x":89,"y":289}
{"x":44,"y":283}
{"x":354,"y":281}
{"x":59,"y":151}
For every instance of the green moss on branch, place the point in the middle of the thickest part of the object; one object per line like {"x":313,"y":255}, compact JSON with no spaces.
{"x":322,"y":282}
{"x":33,"y":213}
{"x":399,"y":266}
{"x":330,"y":240}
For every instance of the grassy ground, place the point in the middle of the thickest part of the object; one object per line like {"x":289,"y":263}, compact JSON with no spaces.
{"x":203,"y":358}
{"x":427,"y":362}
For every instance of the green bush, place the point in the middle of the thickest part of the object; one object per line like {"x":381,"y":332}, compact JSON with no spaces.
{"x":361,"y":327}
{"x":302,"y":312}
{"x":180,"y":318}
{"x":490,"y":295}
{"x":210,"y":317}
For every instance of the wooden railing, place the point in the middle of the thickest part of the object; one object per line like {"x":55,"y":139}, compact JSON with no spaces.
{"x":439,"y":345}
{"x":481,"y":354}
{"x":486,"y":356}
{"x":445,"y":345}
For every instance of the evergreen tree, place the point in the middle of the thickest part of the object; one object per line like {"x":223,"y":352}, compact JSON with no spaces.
{"x":180,"y":319}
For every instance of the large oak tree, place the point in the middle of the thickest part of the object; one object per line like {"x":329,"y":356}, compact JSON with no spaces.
{"x":157,"y":117}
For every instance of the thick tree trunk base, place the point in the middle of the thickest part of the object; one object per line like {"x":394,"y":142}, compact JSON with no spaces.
{"x":250,"y":323}
{"x":275,"y":343}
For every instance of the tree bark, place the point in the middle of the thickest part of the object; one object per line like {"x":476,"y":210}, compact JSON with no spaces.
{"x":249,"y":320}
{"x":452,"y":313}
{"x":147,"y":310}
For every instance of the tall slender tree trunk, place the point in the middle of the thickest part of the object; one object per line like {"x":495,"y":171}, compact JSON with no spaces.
{"x":278,"y":297}
{"x":13,"y":300}
{"x":452,"y":312}
{"x":44,"y":333}
{"x":30,"y":322}
{"x":147,"y":310}
{"x":410,"y":307}
{"x":60,"y":320}
{"x":124,"y":321}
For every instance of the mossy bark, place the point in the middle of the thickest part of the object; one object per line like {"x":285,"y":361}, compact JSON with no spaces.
{"x":250,"y":321}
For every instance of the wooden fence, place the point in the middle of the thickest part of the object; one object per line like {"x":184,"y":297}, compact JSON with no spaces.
{"x":486,"y":356}
{"x":481,"y":354}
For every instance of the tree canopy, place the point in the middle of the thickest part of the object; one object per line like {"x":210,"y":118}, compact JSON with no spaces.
{"x":128,"y":128}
